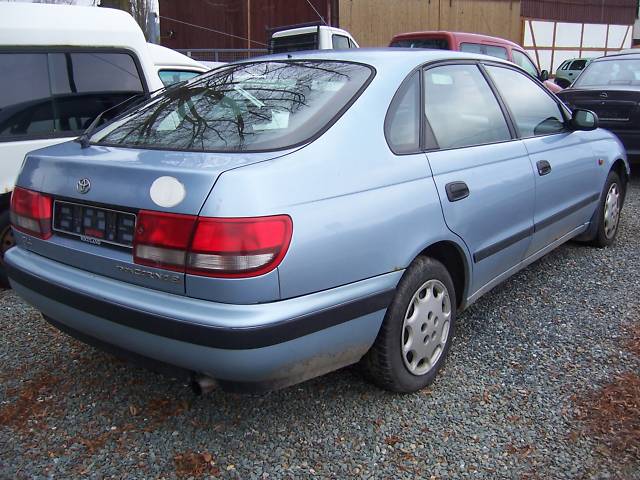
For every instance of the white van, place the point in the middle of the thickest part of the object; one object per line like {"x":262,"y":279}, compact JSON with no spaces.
{"x":60,"y":67}
{"x":310,"y":37}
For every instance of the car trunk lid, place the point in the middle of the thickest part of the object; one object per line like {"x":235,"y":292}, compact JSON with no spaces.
{"x":615,"y":108}
{"x":98,"y":191}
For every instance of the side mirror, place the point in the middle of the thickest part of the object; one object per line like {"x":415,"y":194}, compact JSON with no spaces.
{"x":544,"y":76}
{"x":584,"y":119}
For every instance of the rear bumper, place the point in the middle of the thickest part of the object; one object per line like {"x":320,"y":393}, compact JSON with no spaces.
{"x":267,"y":345}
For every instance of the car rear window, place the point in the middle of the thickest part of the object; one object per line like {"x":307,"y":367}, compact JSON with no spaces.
{"x":294,"y":43}
{"x":247,"y":107}
{"x":605,"y":73}
{"x":433,"y":43}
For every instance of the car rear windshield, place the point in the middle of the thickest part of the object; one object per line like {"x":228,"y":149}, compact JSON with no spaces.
{"x":247,"y":107}
{"x":607,"y":73}
{"x":433,"y":43}
{"x":294,"y":43}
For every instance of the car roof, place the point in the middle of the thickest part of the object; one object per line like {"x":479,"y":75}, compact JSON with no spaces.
{"x":460,"y":36}
{"x":630,"y":55}
{"x":163,"y":56}
{"x":381,"y":57}
{"x":30,"y":24}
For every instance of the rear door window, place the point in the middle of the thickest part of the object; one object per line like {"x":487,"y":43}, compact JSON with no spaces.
{"x":534,"y":111}
{"x":461,"y":109}
{"x":258,"y":106}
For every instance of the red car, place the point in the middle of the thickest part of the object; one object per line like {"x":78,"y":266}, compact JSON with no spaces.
{"x":474,"y":43}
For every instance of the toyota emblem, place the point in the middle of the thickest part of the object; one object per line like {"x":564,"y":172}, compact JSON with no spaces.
{"x":83,"y":185}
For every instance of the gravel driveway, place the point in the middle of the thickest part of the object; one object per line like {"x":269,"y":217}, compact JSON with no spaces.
{"x":520,"y":396}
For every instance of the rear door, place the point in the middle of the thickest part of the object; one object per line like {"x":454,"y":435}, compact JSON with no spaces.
{"x":562,"y":162}
{"x":482,"y":174}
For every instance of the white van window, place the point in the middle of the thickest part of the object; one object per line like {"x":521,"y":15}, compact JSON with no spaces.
{"x":94,"y":72}
{"x":339,"y":42}
{"x":25,"y":97}
{"x":60,"y":93}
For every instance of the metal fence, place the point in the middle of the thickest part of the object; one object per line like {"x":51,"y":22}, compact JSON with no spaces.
{"x":222,"y":54}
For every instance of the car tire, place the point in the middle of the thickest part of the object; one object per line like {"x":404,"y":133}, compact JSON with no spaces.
{"x":609,"y":211}
{"x":417,"y":330}
{"x":561,"y":82}
{"x":6,"y":242}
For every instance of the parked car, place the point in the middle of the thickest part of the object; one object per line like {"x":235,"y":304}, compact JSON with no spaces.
{"x":295,"y":38}
{"x":610,"y":86}
{"x":254,"y":240}
{"x":569,"y":70}
{"x":474,"y":43}
{"x":61,"y":66}
{"x":173,"y":67}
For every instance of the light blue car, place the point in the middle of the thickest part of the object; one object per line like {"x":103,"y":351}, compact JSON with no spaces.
{"x":281,"y":218}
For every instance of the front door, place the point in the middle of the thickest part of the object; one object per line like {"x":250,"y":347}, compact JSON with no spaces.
{"x":483,"y":176}
{"x":563,"y":163}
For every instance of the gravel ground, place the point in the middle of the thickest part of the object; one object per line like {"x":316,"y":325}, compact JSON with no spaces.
{"x":510,"y":402}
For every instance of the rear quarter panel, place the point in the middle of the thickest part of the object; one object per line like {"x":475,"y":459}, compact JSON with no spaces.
{"x":358,"y":210}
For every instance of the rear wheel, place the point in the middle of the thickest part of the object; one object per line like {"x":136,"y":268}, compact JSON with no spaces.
{"x":609,"y":211}
{"x":6,"y":242}
{"x":562,"y":82}
{"x":417,"y":330}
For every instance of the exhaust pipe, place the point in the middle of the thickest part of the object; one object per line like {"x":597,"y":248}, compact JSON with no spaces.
{"x":201,"y":385}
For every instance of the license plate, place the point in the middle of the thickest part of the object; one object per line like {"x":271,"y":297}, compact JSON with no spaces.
{"x":94,"y":224}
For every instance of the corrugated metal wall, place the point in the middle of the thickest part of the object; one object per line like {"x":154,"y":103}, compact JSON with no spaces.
{"x":244,"y":21}
{"x":616,"y":12}
{"x":374,"y":22}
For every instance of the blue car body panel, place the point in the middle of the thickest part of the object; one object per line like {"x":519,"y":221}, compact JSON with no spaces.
{"x":361,"y":214}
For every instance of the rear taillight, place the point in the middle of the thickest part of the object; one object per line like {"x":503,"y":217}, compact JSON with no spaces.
{"x":31,"y":212}
{"x":215,"y":247}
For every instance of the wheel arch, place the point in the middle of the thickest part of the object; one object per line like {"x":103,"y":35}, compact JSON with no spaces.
{"x":452,"y":256}
{"x":620,"y":168}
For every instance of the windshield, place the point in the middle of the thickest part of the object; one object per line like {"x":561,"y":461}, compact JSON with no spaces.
{"x":606,"y":73}
{"x":247,"y":107}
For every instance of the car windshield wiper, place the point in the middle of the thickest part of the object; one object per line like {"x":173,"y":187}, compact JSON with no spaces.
{"x":84,"y":138}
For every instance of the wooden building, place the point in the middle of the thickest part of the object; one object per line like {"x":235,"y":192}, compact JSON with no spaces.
{"x":551,"y":30}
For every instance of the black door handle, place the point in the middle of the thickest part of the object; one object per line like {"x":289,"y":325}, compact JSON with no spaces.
{"x":456,"y":191}
{"x":544,"y":167}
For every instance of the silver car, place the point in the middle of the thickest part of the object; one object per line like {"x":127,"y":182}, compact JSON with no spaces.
{"x":277,"y":219}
